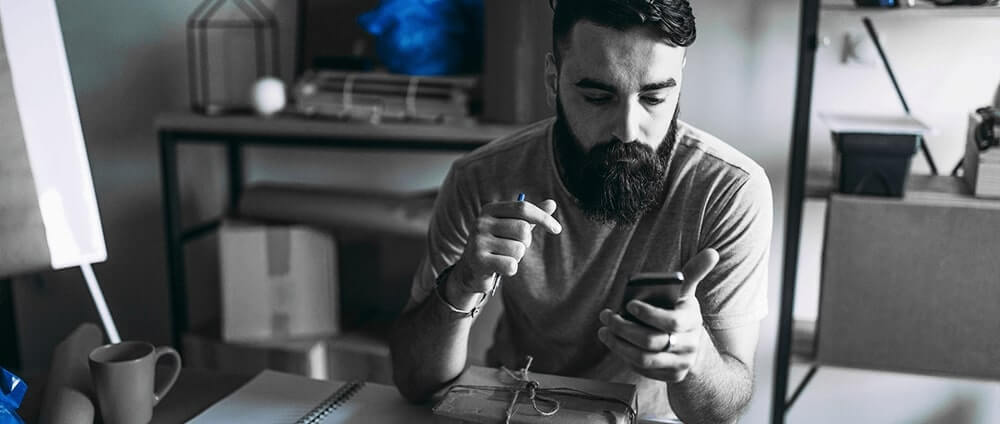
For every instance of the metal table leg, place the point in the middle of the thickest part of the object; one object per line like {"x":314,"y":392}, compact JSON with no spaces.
{"x":175,"y":250}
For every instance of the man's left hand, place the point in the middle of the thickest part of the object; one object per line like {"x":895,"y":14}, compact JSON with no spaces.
{"x":668,"y":347}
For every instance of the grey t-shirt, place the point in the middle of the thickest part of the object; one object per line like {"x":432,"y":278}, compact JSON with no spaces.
{"x":716,"y":197}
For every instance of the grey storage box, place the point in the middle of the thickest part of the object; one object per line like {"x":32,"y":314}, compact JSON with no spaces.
{"x":912,"y":284}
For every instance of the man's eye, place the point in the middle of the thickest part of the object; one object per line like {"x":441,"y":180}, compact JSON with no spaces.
{"x":652,"y":100}
{"x":597,"y":100}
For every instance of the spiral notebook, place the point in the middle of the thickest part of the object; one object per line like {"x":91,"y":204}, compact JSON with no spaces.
{"x":278,"y":398}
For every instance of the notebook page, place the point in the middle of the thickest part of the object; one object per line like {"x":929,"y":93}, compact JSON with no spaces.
{"x":269,"y":398}
{"x":378,"y":403}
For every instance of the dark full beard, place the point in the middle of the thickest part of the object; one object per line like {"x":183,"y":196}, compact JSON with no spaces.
{"x":614,"y":182}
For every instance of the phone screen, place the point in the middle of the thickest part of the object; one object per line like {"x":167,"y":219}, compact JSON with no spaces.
{"x":660,"y":289}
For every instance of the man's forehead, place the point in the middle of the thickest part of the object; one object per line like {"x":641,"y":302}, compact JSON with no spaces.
{"x":627,"y":59}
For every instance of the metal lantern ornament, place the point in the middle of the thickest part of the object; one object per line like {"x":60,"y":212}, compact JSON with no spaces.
{"x":231,"y":44}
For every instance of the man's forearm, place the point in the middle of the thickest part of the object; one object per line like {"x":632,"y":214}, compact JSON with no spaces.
{"x":429,"y":344}
{"x":716,"y":391}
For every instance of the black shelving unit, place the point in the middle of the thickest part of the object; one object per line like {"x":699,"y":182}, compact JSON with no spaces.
{"x":794,"y":339}
{"x":798,"y":159}
{"x":236,"y":133}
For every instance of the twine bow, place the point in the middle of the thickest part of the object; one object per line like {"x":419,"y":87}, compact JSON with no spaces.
{"x":530,"y":386}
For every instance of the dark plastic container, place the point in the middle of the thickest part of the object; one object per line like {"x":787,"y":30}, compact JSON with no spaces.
{"x":873,"y":163}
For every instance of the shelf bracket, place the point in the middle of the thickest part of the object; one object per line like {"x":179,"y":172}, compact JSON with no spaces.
{"x":801,"y":387}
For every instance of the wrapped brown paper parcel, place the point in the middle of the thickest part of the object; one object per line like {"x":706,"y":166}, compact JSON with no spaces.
{"x":483,"y":395}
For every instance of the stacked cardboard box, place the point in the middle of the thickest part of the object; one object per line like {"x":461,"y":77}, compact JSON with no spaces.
{"x":278,"y":281}
{"x":360,"y":355}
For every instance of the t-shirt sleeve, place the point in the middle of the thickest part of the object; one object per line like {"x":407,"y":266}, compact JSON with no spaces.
{"x":734,"y":294}
{"x":454,"y":213}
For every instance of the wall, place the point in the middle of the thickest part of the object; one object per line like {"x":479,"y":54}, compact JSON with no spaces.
{"x":128,"y":64}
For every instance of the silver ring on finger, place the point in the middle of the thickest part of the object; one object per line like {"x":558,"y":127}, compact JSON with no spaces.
{"x":670,"y":339}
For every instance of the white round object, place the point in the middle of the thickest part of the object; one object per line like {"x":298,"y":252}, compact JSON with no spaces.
{"x":268,"y":96}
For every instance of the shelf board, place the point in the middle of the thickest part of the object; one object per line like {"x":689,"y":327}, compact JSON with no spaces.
{"x":820,"y":184}
{"x":465,"y":135}
{"x":919,"y":10}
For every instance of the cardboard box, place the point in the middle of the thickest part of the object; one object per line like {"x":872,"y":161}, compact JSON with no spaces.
{"x":306,"y":357}
{"x":277,"y":282}
{"x":912,"y":284}
{"x":359,"y":356}
{"x":351,"y":356}
{"x":981,"y":167}
{"x":382,"y":235}
{"x":479,"y":405}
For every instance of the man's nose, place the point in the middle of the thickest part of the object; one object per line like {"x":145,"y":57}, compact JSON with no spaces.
{"x":626,"y":125}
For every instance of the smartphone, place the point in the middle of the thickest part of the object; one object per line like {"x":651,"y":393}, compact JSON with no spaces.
{"x":660,"y":289}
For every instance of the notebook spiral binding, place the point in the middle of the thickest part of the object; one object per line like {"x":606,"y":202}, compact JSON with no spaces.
{"x":336,"y":400}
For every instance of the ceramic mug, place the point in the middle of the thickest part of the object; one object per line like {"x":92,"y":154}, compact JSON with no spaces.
{"x":124,"y":374}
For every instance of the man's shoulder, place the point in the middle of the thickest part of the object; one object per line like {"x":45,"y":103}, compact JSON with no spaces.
{"x":714,"y":156}
{"x":511,"y":148}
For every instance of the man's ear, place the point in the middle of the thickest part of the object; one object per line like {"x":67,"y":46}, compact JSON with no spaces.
{"x":551,"y":80}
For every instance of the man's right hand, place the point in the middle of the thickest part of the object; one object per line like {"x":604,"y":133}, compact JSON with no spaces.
{"x":501,"y":237}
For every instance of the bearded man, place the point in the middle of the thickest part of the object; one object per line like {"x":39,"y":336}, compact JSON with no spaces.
{"x":615,"y":185}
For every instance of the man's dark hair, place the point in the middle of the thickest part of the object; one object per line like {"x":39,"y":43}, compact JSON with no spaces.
{"x":673,"y":19}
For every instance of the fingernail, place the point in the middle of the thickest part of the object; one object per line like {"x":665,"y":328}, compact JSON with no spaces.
{"x":602,"y":333}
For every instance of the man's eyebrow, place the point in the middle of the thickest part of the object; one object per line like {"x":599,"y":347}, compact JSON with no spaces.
{"x":589,"y":83}
{"x":670,"y":82}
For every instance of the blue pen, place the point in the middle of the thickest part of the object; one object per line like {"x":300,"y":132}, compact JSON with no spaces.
{"x":496,"y":277}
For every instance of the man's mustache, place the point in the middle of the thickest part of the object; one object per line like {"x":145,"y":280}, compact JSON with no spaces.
{"x":616,"y":150}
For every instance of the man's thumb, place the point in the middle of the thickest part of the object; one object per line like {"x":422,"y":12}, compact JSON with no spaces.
{"x":696,"y":269}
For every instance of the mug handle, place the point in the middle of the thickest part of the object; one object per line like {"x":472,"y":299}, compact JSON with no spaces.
{"x":160,"y":392}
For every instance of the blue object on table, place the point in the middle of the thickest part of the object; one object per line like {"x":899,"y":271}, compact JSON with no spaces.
{"x":12,"y":391}
{"x":427,"y":37}
{"x":876,"y":3}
